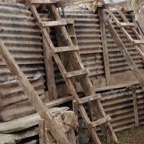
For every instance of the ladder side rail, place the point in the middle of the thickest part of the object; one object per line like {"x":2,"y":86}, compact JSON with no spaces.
{"x":126,"y":54}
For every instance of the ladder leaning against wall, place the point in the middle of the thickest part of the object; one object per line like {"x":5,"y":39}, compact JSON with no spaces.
{"x":116,"y":21}
{"x":77,"y":70}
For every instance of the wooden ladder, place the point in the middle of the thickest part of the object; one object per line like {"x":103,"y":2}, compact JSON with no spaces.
{"x":116,"y":21}
{"x":71,"y":53}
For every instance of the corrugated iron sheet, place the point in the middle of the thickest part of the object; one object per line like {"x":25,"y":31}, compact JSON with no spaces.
{"x":23,"y":39}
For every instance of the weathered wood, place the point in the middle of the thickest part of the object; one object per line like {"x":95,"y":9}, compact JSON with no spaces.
{"x":63,"y":3}
{"x":135,"y":104}
{"x":90,"y":98}
{"x":138,"y":42}
{"x":105,"y":48}
{"x":65,"y":49}
{"x":75,"y":73}
{"x":54,"y":23}
{"x":42,"y":132}
{"x":49,"y":72}
{"x":122,"y":24}
{"x":101,"y":121}
{"x":32,"y":95}
{"x":42,"y":1}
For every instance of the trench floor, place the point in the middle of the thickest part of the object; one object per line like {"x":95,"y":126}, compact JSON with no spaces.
{"x":132,"y":136}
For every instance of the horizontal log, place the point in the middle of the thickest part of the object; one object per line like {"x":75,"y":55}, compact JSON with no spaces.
{"x":63,"y":3}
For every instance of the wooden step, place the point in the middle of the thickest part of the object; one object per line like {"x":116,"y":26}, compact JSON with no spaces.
{"x":76,"y":73}
{"x":100,"y":121}
{"x":122,"y":24}
{"x":90,"y":98}
{"x":66,"y":49}
{"x":138,"y":42}
{"x":35,"y":2}
{"x":70,"y":21}
{"x":54,"y":23}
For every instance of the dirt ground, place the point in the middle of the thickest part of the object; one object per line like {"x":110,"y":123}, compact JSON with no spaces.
{"x":132,"y":136}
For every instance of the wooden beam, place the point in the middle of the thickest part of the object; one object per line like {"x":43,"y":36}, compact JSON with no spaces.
{"x":33,"y":96}
{"x":63,"y":3}
{"x":105,"y":48}
{"x":135,"y":104}
{"x":49,"y":67}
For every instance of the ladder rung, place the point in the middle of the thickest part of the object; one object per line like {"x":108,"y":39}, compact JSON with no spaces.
{"x":126,"y":24}
{"x":42,"y":2}
{"x":101,"y":121}
{"x":69,"y":21}
{"x":138,"y":42}
{"x":66,"y":49}
{"x":90,"y":98}
{"x":76,"y":73}
{"x":54,"y":23}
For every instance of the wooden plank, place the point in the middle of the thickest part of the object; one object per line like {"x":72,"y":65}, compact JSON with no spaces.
{"x":76,"y":73}
{"x":42,"y":132}
{"x":105,"y":48}
{"x":42,"y":1}
{"x":32,"y":95}
{"x":66,"y":49}
{"x":54,"y":23}
{"x":63,"y":3}
{"x":138,"y":42}
{"x":90,"y":98}
{"x":50,"y":77}
{"x":123,"y":24}
{"x":101,"y":121}
{"x":135,"y":104}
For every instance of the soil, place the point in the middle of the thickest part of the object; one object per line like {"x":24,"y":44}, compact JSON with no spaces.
{"x":132,"y":136}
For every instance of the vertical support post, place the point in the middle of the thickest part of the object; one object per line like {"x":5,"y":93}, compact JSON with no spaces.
{"x":135,"y":106}
{"x":49,"y":72}
{"x":76,"y":109}
{"x":105,"y":48}
{"x":42,"y":132}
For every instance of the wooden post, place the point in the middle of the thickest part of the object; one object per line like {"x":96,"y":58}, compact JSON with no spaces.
{"x":105,"y":48}
{"x":42,"y":132}
{"x":135,"y":107}
{"x":33,"y":96}
{"x":49,"y":72}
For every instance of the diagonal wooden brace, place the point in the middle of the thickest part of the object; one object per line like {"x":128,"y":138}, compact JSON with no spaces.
{"x":33,"y":96}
